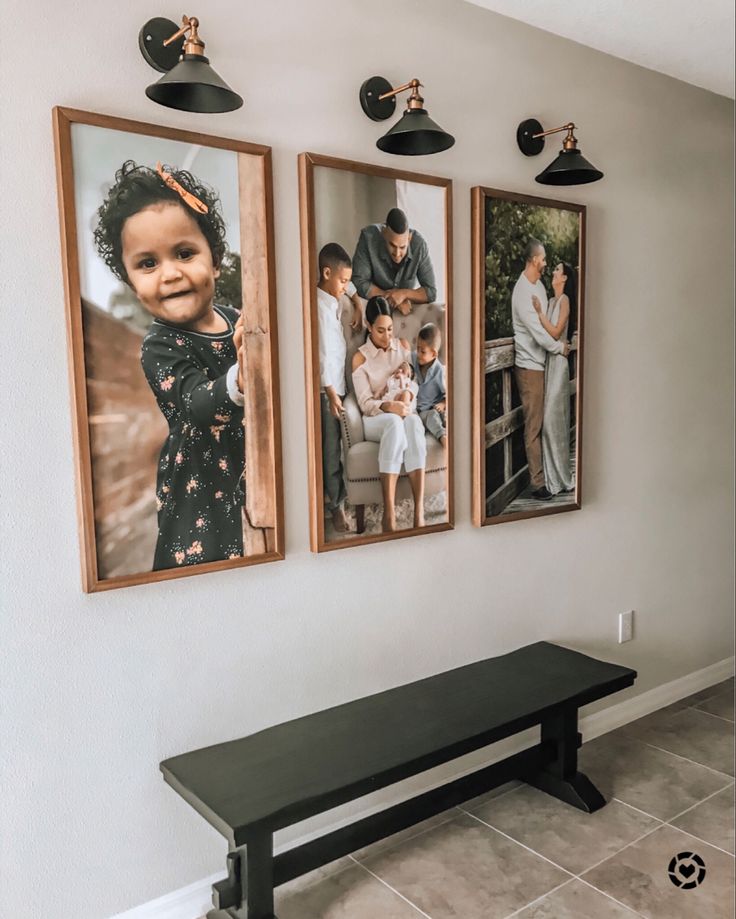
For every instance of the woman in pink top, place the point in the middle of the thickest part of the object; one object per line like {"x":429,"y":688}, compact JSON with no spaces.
{"x":392,"y":425}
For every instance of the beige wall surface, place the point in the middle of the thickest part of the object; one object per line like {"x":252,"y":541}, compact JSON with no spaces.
{"x":345,"y":202}
{"x":96,"y":690}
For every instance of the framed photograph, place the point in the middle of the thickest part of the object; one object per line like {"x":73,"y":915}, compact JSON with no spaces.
{"x":528,"y":297}
{"x":377,"y":282}
{"x":167,"y":245}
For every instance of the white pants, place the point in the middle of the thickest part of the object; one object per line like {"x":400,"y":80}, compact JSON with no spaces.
{"x":400,"y":440}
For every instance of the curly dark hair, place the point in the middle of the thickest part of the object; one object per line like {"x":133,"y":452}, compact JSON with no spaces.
{"x":137,"y":187}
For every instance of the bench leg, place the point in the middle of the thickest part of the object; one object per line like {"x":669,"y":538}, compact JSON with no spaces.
{"x":561,"y":778}
{"x":259,"y":880}
{"x":247,"y":892}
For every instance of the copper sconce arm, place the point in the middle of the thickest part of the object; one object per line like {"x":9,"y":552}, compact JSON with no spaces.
{"x":414,"y":101}
{"x":569,"y":143}
{"x":193,"y":43}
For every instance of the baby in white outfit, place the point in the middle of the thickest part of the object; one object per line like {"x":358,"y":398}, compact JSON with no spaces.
{"x":401,"y":386}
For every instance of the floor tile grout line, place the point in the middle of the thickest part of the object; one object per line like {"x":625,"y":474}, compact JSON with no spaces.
{"x":636,"y":739}
{"x":538,"y":899}
{"x":669,"y":822}
{"x":678,"y":815}
{"x":700,"y":839}
{"x":456,"y":807}
{"x":523,"y":846}
{"x":660,"y":823}
{"x":619,"y":851}
{"x":392,"y":889}
{"x":711,"y":795}
{"x":386,"y":849}
{"x":694,"y":708}
{"x":638,"y":809}
{"x":710,"y":714}
{"x":618,"y":902}
{"x":687,"y":760}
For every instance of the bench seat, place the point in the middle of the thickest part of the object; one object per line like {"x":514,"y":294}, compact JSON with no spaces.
{"x":251,"y":787}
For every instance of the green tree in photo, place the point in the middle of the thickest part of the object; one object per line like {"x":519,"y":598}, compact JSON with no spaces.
{"x":229,"y":288}
{"x":509,"y":226}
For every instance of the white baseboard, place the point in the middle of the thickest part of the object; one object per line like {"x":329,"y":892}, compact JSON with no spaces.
{"x":620,"y":713}
{"x":189,"y":902}
{"x":195,"y":900}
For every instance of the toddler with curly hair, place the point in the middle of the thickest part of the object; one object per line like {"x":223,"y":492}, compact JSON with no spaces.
{"x":161,"y":232}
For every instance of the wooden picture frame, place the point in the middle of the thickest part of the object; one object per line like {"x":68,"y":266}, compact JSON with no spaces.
{"x":503,"y":489}
{"x":119,"y":477}
{"x":337,"y":198}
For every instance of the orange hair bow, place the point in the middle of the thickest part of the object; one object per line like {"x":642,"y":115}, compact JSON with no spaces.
{"x":185,"y":195}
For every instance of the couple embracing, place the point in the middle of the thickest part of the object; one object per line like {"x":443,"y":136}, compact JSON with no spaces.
{"x":542,"y":370}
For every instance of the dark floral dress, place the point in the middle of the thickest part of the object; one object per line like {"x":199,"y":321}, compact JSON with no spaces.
{"x":200,"y":485}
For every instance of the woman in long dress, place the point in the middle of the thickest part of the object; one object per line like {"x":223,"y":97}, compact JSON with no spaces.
{"x":556,"y":319}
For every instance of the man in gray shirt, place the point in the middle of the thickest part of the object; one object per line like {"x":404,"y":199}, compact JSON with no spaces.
{"x":392,"y":261}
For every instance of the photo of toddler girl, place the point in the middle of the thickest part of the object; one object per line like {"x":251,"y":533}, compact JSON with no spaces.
{"x":162,"y":233}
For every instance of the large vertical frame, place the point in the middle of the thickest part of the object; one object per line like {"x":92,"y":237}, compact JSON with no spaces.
{"x":307,"y":164}
{"x":483,"y":361}
{"x":263,"y":512}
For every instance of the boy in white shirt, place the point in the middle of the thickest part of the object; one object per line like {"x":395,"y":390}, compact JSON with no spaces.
{"x":335,"y":271}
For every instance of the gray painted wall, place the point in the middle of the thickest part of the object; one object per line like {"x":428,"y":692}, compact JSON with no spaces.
{"x":98,"y":689}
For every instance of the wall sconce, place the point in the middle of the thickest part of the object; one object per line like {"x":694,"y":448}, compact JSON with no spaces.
{"x":189,"y":84}
{"x":414,"y":133}
{"x":570,"y":167}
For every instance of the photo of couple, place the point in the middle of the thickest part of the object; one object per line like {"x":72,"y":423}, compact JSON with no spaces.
{"x":529,"y":290}
{"x":375,"y":291}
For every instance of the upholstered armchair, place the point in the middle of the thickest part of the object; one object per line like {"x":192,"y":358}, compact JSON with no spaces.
{"x":360,"y":456}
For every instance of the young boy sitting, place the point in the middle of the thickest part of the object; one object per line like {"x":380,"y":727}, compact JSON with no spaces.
{"x":335,"y":271}
{"x":430,"y":375}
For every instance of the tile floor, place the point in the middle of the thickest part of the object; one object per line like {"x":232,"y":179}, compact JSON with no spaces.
{"x":669,"y":781}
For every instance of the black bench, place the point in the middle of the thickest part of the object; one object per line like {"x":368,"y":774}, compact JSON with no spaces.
{"x":249,"y":788}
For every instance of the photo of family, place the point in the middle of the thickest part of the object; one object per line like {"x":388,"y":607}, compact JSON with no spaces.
{"x":169,"y":281}
{"x":375,"y":256}
{"x":528,"y":307}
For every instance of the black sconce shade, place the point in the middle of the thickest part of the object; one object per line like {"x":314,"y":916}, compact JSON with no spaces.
{"x":570,"y":168}
{"x":193,"y":86}
{"x":415,"y":134}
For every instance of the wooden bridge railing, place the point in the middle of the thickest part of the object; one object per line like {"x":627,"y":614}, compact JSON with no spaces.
{"x":499,"y":358}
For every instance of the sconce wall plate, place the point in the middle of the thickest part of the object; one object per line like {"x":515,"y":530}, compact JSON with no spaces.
{"x":375,"y":108}
{"x":525,"y":137}
{"x":151,"y":40}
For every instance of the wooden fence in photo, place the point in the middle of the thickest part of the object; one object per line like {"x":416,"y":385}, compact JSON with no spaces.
{"x":499,"y":358}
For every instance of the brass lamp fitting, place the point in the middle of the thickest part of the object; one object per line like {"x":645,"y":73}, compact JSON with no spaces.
{"x":193,"y":44}
{"x":415,"y":101}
